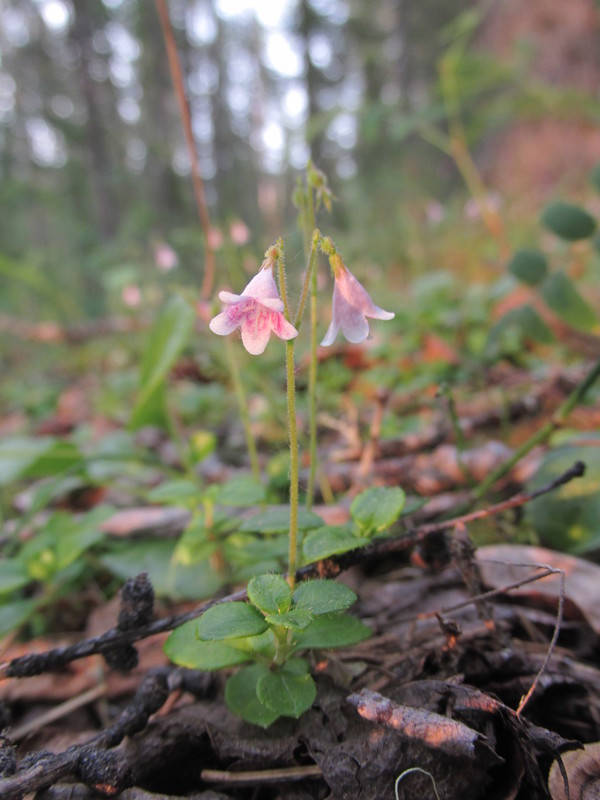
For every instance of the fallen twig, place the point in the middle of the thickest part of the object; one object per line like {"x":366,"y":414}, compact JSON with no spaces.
{"x":35,"y":663}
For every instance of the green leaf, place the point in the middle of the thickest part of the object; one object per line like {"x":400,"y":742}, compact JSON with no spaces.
{"x":328,"y":541}
{"x":526,"y":322}
{"x":296,"y":620}
{"x":38,"y":457}
{"x":178,"y":492}
{"x":561,"y":295}
{"x":276,"y":520}
{"x":377,"y":508}
{"x":567,"y":518}
{"x":595,"y":177}
{"x":167,"y":339}
{"x":241,"y":697}
{"x":242,"y":491}
{"x":332,"y":630}
{"x":13,"y":575}
{"x":170,"y":577}
{"x":15,"y":614}
{"x":231,"y":621}
{"x":323,"y":596}
{"x":286,"y":692}
{"x":183,"y":647}
{"x":63,"y":540}
{"x":568,"y":221}
{"x":202,"y":444}
{"x":529,"y":266}
{"x":270,"y":593}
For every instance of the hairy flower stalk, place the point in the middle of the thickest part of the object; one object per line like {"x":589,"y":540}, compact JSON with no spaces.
{"x":292,"y":432}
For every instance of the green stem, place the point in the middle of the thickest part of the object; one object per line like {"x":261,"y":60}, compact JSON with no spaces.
{"x":543,"y":434}
{"x":309,"y":280}
{"x":242,"y":402}
{"x":312,"y":371}
{"x":292,"y":428}
{"x":293,"y":435}
{"x":312,"y":399}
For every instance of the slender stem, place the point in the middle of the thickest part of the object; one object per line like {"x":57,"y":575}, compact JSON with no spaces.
{"x":312,"y":398}
{"x":558,"y":419}
{"x":312,"y":372}
{"x":278,"y":251}
{"x":240,"y":394}
{"x":293,"y":435}
{"x":186,"y":121}
{"x":308,"y":278}
{"x":292,"y":428}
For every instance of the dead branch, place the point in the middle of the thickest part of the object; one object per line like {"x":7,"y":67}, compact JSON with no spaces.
{"x":95,"y":763}
{"x":117,"y":639}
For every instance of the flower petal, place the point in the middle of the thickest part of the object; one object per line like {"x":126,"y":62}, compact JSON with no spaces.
{"x":357,"y":296}
{"x":381,"y":314}
{"x":332,"y":332}
{"x":262,"y":286}
{"x":229,"y":298}
{"x":274,"y":303}
{"x":225,"y":322}
{"x":281,"y":327}
{"x":354,"y":325}
{"x":256,"y":329}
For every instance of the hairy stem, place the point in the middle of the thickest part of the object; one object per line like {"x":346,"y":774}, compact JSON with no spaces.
{"x":292,"y":427}
{"x":293,"y":436}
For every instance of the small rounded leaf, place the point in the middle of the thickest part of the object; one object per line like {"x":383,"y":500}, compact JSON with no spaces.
{"x":328,"y":541}
{"x":377,"y":508}
{"x":230,"y":621}
{"x":182,"y":647}
{"x":332,"y":630}
{"x":241,"y":697}
{"x":287,"y":692}
{"x":323,"y":596}
{"x":529,"y":266}
{"x":270,"y":593}
{"x":563,"y":297}
{"x":568,"y":221}
{"x":296,"y":620}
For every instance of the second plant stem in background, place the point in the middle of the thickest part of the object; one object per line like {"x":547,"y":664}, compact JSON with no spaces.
{"x":292,"y":427}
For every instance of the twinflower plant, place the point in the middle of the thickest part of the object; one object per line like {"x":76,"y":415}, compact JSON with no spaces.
{"x":272,"y":633}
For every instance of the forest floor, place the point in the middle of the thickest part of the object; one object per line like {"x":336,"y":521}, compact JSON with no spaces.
{"x":482,"y":670}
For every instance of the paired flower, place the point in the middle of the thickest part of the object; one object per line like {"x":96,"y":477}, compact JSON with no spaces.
{"x":257,"y":311}
{"x":351,"y":306}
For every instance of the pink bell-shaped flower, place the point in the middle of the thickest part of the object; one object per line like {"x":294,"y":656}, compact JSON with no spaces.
{"x":258,"y":310}
{"x":351,"y":306}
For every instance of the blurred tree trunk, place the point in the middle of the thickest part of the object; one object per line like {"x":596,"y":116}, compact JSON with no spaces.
{"x":105,"y":203}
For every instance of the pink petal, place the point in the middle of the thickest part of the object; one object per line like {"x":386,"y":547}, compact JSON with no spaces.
{"x":282,"y":328}
{"x":357,"y":296}
{"x":332,"y":332}
{"x":274,"y":303}
{"x":225,"y":322}
{"x":229,"y":298}
{"x":256,"y":329}
{"x":262,"y":286}
{"x":381,"y":314}
{"x":354,"y":325}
